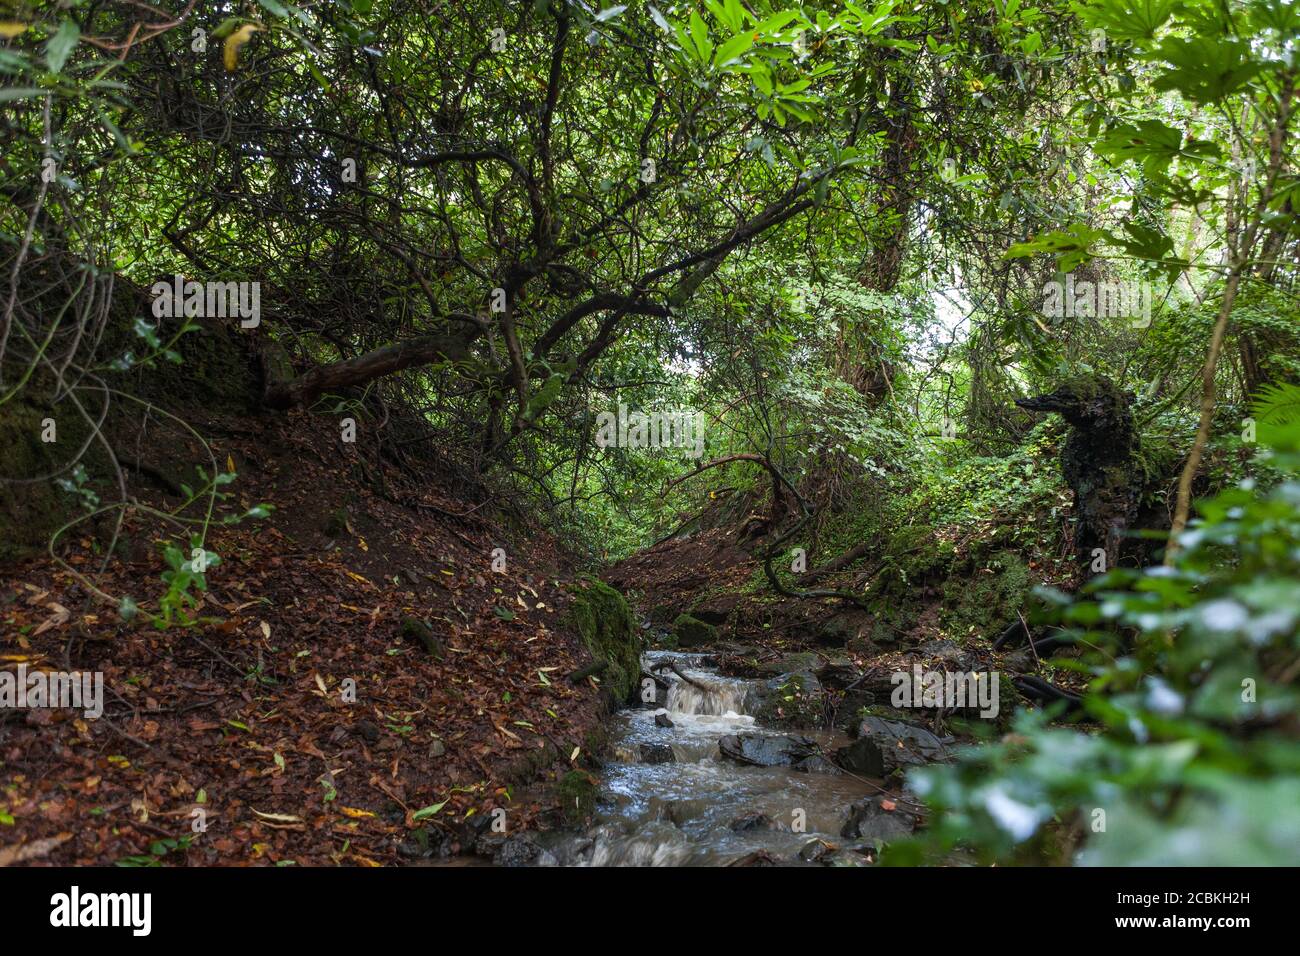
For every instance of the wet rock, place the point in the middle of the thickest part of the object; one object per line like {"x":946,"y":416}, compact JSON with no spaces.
{"x":901,"y":745}
{"x":757,"y":858}
{"x":805,"y":661}
{"x":488,"y":843}
{"x":522,"y":851}
{"x":844,"y":857}
{"x":565,"y":847}
{"x":849,"y":713}
{"x":663,"y":720}
{"x":755,"y":821}
{"x":436,"y":749}
{"x":657,"y":753}
{"x":862,"y":757}
{"x":815,"y":850}
{"x":692,"y":632}
{"x":426,"y":843}
{"x":816,"y":764}
{"x":678,"y":812}
{"x":795,"y":699}
{"x":869,"y":819}
{"x":761,"y":751}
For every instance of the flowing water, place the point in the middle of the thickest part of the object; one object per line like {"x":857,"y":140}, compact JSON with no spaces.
{"x":681,"y":812}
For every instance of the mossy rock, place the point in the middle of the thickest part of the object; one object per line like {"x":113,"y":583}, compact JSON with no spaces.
{"x":976,"y":602}
{"x":603,"y":620}
{"x":577,"y":796}
{"x":792,"y":700}
{"x":692,"y":632}
{"x":32,"y":511}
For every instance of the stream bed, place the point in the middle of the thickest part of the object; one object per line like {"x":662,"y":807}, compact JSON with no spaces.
{"x":670,"y":797}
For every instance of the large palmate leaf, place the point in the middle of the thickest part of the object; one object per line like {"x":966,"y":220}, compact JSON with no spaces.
{"x":1127,"y":19}
{"x":1205,"y":69}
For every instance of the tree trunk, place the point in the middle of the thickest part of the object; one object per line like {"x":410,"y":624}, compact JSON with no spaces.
{"x":424,"y":350}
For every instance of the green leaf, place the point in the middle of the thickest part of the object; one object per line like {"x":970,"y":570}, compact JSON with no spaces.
{"x":1150,"y":142}
{"x":1072,"y":246}
{"x":1127,"y":19}
{"x":1205,"y":69}
{"x":60,"y":46}
{"x":700,"y":37}
{"x":733,"y":49}
{"x":425,"y":812}
{"x":275,"y":8}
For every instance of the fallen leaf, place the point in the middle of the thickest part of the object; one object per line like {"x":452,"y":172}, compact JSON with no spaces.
{"x":31,"y":851}
{"x":277,"y":817}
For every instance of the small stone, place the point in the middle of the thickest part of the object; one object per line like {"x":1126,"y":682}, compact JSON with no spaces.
{"x":657,"y":753}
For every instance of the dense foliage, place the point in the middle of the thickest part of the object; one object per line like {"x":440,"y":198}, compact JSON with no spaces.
{"x":846,"y":237}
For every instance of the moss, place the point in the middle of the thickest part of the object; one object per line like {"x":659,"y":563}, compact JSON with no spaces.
{"x":577,"y":795}
{"x":986,"y":595}
{"x":797,"y":702}
{"x":604,"y":622}
{"x":32,"y":511}
{"x":691,"y":632}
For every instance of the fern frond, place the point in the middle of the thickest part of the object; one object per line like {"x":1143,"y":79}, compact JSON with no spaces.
{"x":1277,"y":404}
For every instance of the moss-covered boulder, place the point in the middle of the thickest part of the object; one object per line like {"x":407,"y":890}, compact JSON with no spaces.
{"x":604,"y":622}
{"x":984,"y":593}
{"x":692,"y":632}
{"x":577,"y":792}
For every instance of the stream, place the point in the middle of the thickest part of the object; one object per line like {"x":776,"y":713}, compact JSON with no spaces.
{"x":670,"y":798}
